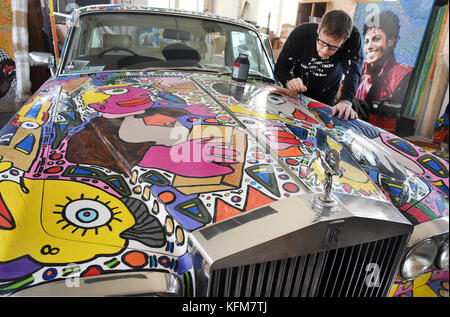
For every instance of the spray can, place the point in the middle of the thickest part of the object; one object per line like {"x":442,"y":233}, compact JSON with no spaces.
{"x":240,"y":68}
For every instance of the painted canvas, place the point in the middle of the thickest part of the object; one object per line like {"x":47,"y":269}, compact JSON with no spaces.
{"x":392,"y":34}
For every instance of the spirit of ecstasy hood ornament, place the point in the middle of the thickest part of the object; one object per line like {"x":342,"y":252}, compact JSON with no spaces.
{"x":323,"y":203}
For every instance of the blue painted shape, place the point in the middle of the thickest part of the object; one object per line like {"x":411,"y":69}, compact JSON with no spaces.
{"x":26,"y":144}
{"x":439,"y":205}
{"x":403,"y":145}
{"x":184,"y":263}
{"x":414,"y":187}
{"x":396,"y":191}
{"x":34,"y":110}
{"x":263,"y":176}
{"x":80,"y":170}
{"x":116,"y":183}
{"x":432,"y":164}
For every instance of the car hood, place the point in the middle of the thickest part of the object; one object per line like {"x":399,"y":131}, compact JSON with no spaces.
{"x":137,"y":161}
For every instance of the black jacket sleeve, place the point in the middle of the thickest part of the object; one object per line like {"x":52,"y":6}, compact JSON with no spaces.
{"x":352,"y":65}
{"x":288,"y":56}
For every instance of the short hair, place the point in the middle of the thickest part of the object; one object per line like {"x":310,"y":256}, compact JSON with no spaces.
{"x":387,"y":21}
{"x":337,"y":23}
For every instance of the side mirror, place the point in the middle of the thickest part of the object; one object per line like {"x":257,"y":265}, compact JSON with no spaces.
{"x":43,"y":59}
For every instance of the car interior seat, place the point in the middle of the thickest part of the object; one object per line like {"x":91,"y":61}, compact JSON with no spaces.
{"x":179,"y":54}
{"x":116,"y":40}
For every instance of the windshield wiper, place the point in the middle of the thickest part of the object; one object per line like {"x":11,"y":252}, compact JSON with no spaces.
{"x":185,"y":68}
{"x":261,"y":77}
{"x":209,"y":70}
{"x":251,"y":76}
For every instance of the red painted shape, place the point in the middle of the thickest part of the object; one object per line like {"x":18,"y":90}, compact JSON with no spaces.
{"x":6,"y":219}
{"x":93,"y":271}
{"x":224,"y":210}
{"x":256,"y":199}
{"x":304,"y":117}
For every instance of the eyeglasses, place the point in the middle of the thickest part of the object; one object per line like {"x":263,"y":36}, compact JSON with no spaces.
{"x":325,"y":44}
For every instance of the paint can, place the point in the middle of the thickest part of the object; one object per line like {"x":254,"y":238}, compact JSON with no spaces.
{"x":240,"y":68}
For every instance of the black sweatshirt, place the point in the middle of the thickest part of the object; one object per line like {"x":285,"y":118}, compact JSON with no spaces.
{"x":321,"y":76}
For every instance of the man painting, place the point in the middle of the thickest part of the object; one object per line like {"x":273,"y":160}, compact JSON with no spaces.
{"x":319,"y":55}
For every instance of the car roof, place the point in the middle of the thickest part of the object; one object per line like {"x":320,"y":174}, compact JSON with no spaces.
{"x":140,"y":8}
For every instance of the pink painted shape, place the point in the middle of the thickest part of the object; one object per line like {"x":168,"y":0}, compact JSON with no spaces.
{"x":193,"y":158}
{"x":200,"y":110}
{"x":387,"y":136}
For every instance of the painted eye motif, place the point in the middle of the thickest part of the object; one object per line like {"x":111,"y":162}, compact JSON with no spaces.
{"x":84,"y":214}
{"x":29,"y":125}
{"x":87,"y":213}
{"x":116,"y":91}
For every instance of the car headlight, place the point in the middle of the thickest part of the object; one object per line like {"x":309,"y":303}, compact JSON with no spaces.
{"x":419,"y":259}
{"x":442,"y":259}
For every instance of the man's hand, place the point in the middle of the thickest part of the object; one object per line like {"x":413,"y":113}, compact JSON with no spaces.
{"x":296,"y":84}
{"x":344,"y":107}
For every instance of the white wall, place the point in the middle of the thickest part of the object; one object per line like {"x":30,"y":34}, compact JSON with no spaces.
{"x":281,"y":11}
{"x":288,"y":13}
{"x":253,"y":10}
{"x":229,"y":8}
{"x":140,"y":2}
{"x":192,"y":5}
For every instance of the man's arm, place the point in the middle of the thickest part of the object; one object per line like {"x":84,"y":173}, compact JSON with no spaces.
{"x":352,"y":66}
{"x":287,"y":57}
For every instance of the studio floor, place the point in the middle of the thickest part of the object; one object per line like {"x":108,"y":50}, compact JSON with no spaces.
{"x":4,"y":118}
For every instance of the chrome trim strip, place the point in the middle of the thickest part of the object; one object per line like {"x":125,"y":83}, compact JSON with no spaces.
{"x":308,"y":274}
{"x":347,"y":266}
{"x":317,"y":274}
{"x":251,"y":274}
{"x":290,"y":228}
{"x":399,"y":260}
{"x":262,"y":271}
{"x":279,"y":284}
{"x":429,"y":229}
{"x":117,"y":284}
{"x":290,"y":276}
{"x":354,"y":268}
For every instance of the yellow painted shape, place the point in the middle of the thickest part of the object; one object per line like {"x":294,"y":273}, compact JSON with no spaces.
{"x":438,"y":183}
{"x":393,"y":290}
{"x":424,"y":291}
{"x":4,"y":166}
{"x":46,"y":103}
{"x":262,"y":115}
{"x":92,"y":96}
{"x":422,"y":279}
{"x":357,"y":179}
{"x":43,"y":228}
{"x":353,"y":176}
{"x":333,"y":144}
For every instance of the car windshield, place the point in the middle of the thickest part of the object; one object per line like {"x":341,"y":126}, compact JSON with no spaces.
{"x":144,"y":41}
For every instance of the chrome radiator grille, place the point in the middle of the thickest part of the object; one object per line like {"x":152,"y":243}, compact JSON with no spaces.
{"x":345,"y":272}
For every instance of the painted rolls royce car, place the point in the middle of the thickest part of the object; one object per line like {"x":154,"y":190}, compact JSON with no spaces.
{"x":142,"y":168}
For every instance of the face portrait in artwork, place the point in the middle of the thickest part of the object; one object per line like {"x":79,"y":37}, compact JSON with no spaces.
{"x":376,"y":45}
{"x":380,"y":37}
{"x":7,"y":73}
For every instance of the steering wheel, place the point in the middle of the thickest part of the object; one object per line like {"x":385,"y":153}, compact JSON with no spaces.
{"x":117,"y":49}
